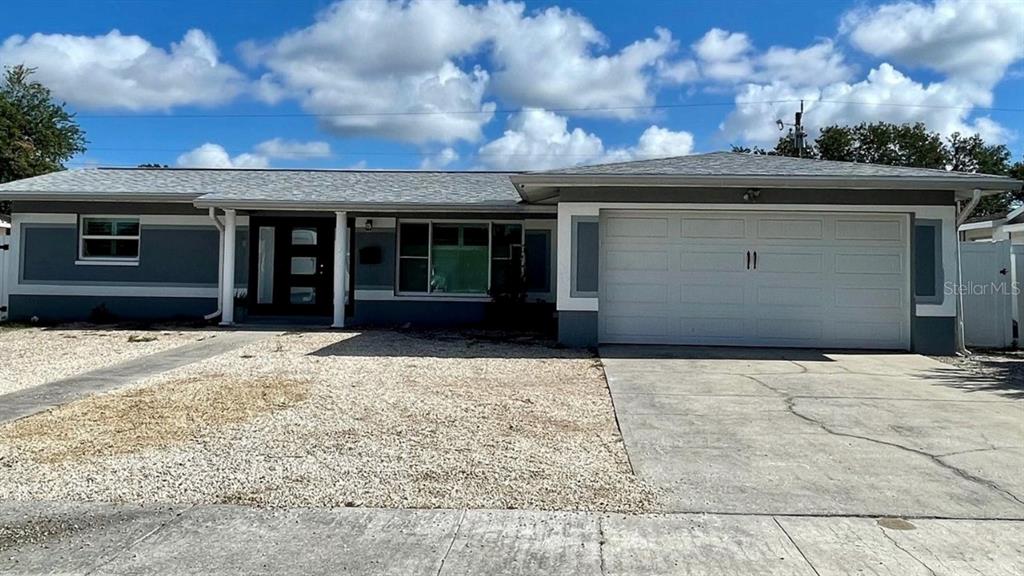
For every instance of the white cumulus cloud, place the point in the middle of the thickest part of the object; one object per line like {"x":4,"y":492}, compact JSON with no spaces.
{"x":556,"y":59}
{"x":118,"y":71}
{"x":210,"y":155}
{"x":293,"y":149}
{"x":730,"y":57}
{"x":442,"y":159}
{"x":394,"y":69}
{"x":971,"y":40}
{"x":885,"y":94}
{"x":538,"y":139}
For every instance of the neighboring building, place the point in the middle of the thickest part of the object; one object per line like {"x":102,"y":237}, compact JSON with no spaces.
{"x":995,"y":227}
{"x":5,"y":225}
{"x":715,"y":249}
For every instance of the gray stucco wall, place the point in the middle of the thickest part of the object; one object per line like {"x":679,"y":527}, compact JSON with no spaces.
{"x":380,"y":275}
{"x":577,"y":329}
{"x":169,"y":256}
{"x":72,"y":308}
{"x":933,"y":335}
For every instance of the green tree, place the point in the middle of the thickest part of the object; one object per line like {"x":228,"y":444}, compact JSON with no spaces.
{"x":910,"y":145}
{"x":37,"y":135}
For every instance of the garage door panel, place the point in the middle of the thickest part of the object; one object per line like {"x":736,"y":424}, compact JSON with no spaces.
{"x":822,"y":280}
{"x":869,"y":230}
{"x":789,"y":262}
{"x":868,"y":263}
{"x":871,"y":334}
{"x":719,"y":328}
{"x":637,"y":326}
{"x":637,"y":227}
{"x":637,"y":292}
{"x":790,"y":228}
{"x":891,"y":298}
{"x":714,"y":228}
{"x":636,"y":260}
{"x":705,"y":260}
{"x":800,"y":296}
{"x":792,"y":329}
{"x":712,"y":294}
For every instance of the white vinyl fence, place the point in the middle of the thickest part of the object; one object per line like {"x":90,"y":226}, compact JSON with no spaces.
{"x":990,"y":281}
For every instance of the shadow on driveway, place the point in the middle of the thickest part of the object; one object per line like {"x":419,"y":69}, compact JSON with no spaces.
{"x":998,"y":372}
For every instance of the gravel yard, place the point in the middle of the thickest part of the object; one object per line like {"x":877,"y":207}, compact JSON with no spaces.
{"x":33,"y":356}
{"x":381,"y":419}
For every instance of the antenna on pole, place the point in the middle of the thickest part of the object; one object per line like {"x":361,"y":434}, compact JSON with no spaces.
{"x":797,"y":131}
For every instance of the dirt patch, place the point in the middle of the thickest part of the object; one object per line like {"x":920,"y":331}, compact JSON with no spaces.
{"x":151,"y":417}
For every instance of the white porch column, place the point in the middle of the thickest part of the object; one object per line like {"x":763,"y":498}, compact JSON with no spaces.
{"x":340,"y":267}
{"x":227,"y":271}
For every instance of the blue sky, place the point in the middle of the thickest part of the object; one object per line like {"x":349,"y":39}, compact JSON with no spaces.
{"x":437,"y":84}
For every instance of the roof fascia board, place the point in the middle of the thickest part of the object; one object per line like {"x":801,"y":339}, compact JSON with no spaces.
{"x":988,"y":184}
{"x":246,"y":204}
{"x":98,"y":197}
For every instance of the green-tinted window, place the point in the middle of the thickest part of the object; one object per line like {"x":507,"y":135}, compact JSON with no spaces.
{"x":109,"y":238}
{"x":459,"y":259}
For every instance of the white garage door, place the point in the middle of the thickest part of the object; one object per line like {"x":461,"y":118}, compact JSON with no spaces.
{"x":821,"y":280}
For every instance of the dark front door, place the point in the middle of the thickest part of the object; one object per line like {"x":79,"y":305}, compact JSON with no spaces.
{"x":291,"y":266}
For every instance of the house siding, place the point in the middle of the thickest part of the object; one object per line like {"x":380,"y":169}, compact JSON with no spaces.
{"x":49,"y":253}
{"x":49,"y":309}
{"x":176,"y":274}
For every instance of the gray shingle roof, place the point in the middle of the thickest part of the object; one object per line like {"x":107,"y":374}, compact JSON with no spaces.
{"x":741,"y":164}
{"x":323,"y":186}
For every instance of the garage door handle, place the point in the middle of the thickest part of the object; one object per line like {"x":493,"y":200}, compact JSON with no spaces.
{"x":748,"y":259}
{"x":755,"y":259}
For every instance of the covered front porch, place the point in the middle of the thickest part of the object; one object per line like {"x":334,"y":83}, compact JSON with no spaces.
{"x":423,"y":269}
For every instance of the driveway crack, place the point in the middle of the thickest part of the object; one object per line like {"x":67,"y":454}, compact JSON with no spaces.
{"x":600,"y":544}
{"x":790,"y":402}
{"x":905,"y":551}
{"x":455,"y":536}
{"x":795,"y":545}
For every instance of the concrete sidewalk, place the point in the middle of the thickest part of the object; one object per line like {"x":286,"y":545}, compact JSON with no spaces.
{"x":52,"y":394}
{"x":83,"y":538}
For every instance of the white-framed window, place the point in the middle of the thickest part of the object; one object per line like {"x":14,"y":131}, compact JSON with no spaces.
{"x":109,"y":238}
{"x":459,"y":258}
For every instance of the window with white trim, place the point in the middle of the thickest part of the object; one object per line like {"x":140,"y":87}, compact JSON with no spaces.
{"x":109,"y":238}
{"x":458,"y":258}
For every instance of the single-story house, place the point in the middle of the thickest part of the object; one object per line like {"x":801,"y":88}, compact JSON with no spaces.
{"x":710,"y":249}
{"x":995,"y":227}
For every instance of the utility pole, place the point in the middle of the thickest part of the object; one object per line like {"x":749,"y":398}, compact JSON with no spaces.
{"x":798,"y":131}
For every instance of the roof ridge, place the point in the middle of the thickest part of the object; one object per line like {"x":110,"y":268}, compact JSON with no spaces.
{"x":330,"y":170}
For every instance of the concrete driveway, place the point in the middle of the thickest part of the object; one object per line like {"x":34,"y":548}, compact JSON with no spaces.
{"x":760,"y":431}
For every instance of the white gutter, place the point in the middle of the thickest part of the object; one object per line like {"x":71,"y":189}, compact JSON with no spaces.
{"x":966,"y":212}
{"x":220,"y":265}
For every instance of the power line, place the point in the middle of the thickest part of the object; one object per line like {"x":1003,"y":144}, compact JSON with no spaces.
{"x":478,"y":112}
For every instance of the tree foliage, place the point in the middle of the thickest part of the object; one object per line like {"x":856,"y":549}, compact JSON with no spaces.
{"x":37,"y":135}
{"x":909,"y":145}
